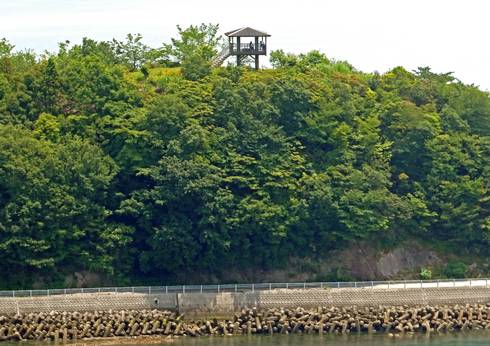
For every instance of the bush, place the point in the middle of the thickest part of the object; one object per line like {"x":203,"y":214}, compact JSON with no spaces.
{"x":425,"y":274}
{"x":455,"y":270}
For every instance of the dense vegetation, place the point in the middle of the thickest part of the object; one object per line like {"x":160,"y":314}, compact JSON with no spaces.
{"x":150,"y":163}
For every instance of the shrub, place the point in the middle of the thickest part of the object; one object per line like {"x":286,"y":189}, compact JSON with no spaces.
{"x":455,"y":270}
{"x":425,"y":274}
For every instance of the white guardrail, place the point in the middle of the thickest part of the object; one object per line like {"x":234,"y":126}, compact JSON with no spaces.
{"x":254,"y":287}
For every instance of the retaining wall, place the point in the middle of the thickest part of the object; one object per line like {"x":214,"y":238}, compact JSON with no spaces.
{"x":374,"y":297}
{"x":88,"y":302}
{"x":225,"y":303}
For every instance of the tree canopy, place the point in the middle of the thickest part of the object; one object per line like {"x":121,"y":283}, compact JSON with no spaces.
{"x":141,"y":162}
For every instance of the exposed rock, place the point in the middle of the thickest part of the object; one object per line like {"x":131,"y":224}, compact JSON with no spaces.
{"x":409,"y":256}
{"x":85,"y":279}
{"x":360,"y":261}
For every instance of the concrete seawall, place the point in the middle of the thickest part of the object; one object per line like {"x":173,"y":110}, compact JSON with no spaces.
{"x":88,"y":302}
{"x":226,"y":302}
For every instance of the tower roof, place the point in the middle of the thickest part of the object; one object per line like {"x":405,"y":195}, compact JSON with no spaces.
{"x":246,"y":32}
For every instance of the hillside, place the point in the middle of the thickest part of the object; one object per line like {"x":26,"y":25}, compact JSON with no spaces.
{"x":170,"y":170}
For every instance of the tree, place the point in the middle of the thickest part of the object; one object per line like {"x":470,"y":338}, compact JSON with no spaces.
{"x":187,"y":173}
{"x":52,"y":212}
{"x":49,"y":88}
{"x":195,"y":49}
{"x":5,"y":48}
{"x":473,"y":106}
{"x":410,"y":128}
{"x":280,"y":59}
{"x":132,"y":52}
{"x":102,"y":49}
{"x":93,"y":85}
{"x":457,"y":189}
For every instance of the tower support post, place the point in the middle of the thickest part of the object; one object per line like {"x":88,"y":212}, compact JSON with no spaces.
{"x":256,"y":55}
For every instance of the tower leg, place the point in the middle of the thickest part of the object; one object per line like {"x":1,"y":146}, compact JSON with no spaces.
{"x":256,"y":62}
{"x":238,"y":62}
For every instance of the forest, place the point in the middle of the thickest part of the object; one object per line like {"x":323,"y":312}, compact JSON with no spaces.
{"x":152,"y":164}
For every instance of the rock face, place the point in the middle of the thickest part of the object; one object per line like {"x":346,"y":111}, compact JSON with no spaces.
{"x":407,"y":257}
{"x":363,"y":262}
{"x":86,"y":279}
{"x":360,"y":261}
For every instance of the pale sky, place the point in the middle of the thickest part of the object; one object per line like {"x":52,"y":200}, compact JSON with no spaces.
{"x":447,"y":35}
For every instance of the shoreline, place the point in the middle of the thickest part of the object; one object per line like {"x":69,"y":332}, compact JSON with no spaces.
{"x":161,"y":339}
{"x":155,"y":326}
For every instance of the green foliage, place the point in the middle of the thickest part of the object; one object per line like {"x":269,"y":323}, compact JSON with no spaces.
{"x":132,"y":52}
{"x":425,"y":274}
{"x":49,"y":88}
{"x":52,"y":210}
{"x":455,"y":270}
{"x":195,"y":49}
{"x":335,"y":275}
{"x":5,"y":48}
{"x":457,"y":188}
{"x":280,"y":59}
{"x":112,"y":165}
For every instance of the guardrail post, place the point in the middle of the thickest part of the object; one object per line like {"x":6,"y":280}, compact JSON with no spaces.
{"x":82,"y":289}
{"x":64,"y":291}
{"x":470,"y":282}
{"x":149,"y":290}
{"x":486,"y":283}
{"x":338,"y":284}
{"x":454,"y":282}
{"x":372,"y":285}
{"x":388,"y":284}
{"x":201,"y":288}
{"x":355,"y":284}
{"x":30,"y":293}
{"x":236,"y":288}
{"x":47,"y":291}
{"x":421,"y":284}
{"x":183,"y":289}
{"x":218,"y":289}
{"x":437,"y":283}
{"x":270,"y":287}
{"x":13,"y":294}
{"x":166,"y":289}
{"x":405,"y":284}
{"x":253,"y":288}
{"x":304,"y":285}
{"x":132,"y":289}
{"x":287,"y":285}
{"x":321,"y":284}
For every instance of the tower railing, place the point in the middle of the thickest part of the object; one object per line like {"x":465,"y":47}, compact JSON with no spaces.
{"x":247,"y":48}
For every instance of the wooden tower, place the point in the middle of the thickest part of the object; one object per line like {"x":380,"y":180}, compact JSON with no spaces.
{"x":245,"y":42}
